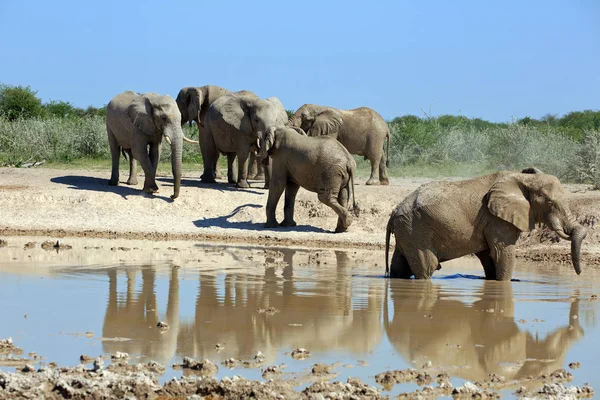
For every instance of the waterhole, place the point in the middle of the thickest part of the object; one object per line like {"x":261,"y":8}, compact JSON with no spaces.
{"x":226,"y":304}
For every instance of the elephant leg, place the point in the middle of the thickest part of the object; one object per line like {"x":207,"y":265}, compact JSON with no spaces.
{"x":155,"y":150}
{"x":343,"y":200}
{"x":501,"y":239}
{"x":423,"y":264}
{"x":242,"y":155}
{"x":399,"y":267}
{"x":252,"y":166}
{"x":383,"y":172}
{"x":291,"y":190}
{"x":230,"y":170}
{"x":149,"y":173}
{"x":344,"y":217}
{"x":374,"y":179}
{"x":260,"y":170}
{"x":268,"y":171}
{"x":275,"y":192}
{"x":210,"y":157}
{"x":115,"y":153}
{"x":488,"y":264}
{"x":504,"y":259}
{"x":132,"y":169}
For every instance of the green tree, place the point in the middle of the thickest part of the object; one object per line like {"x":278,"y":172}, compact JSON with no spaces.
{"x":19,"y":102}
{"x":59,"y":109}
{"x":290,"y":113}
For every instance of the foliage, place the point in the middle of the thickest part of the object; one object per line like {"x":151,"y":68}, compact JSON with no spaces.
{"x":19,"y":102}
{"x":290,"y":113}
{"x":586,"y":167}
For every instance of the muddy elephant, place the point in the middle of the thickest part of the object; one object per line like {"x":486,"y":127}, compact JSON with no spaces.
{"x":136,"y":124}
{"x":232,"y":126}
{"x":318,"y":164}
{"x":362,"y":131}
{"x":476,"y":339}
{"x":193,"y":103}
{"x":441,"y":221}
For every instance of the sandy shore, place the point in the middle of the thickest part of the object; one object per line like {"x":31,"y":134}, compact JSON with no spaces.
{"x":79,"y":203}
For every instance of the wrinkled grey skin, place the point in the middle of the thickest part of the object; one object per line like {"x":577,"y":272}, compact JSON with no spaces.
{"x":232,"y":126}
{"x":361,"y":130}
{"x":136,"y":124}
{"x":318,"y":164}
{"x":193,"y":103}
{"x":441,"y":221}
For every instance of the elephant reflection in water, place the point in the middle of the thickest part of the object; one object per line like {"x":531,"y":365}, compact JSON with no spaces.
{"x":135,"y":318}
{"x":426,"y":325}
{"x":315,"y":313}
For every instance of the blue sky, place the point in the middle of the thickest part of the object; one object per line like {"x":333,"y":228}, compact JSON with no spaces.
{"x":489,"y":59}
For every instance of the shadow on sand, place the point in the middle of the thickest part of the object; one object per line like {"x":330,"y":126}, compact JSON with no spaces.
{"x":101,"y":185}
{"x":222,"y":222}
{"x":221,"y":186}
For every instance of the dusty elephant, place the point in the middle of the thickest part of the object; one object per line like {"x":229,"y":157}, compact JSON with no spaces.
{"x":232,"y":126}
{"x":193,"y":103}
{"x":362,"y":131}
{"x":136,"y":124}
{"x":318,"y":164}
{"x":441,"y":221}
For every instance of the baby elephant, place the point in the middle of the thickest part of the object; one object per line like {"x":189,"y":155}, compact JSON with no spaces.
{"x":318,"y":164}
{"x":441,"y":221}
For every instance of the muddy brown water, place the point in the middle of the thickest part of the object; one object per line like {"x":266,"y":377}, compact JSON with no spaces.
{"x":336,"y":304}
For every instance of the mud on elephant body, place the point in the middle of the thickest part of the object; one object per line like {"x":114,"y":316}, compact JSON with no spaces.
{"x":194,"y":102}
{"x":232,"y":126}
{"x":136,"y":124}
{"x":362,"y":131}
{"x":318,"y":164}
{"x":441,"y":221}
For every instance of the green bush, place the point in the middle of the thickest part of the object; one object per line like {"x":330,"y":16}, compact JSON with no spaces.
{"x":19,"y":102}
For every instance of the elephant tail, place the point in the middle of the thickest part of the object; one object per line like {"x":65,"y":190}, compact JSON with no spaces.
{"x":388,"y":233}
{"x":124,"y":153}
{"x":387,"y":150}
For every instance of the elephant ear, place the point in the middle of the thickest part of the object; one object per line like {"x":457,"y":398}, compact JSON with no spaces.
{"x":282,"y":117}
{"x":507,"y":201}
{"x":140,"y":113}
{"x":236,"y":112}
{"x":326,"y":123}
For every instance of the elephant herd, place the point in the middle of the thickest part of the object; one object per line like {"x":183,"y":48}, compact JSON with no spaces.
{"x":313,"y":149}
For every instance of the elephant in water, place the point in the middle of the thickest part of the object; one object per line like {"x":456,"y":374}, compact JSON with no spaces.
{"x":232,"y":126}
{"x":441,"y":221}
{"x":318,"y":164}
{"x":362,"y":131}
{"x":138,"y":122}
{"x":193,"y":103}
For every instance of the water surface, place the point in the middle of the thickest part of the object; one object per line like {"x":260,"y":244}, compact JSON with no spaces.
{"x":336,"y":304}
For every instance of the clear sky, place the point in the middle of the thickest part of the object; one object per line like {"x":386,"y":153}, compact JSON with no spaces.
{"x":489,"y":59}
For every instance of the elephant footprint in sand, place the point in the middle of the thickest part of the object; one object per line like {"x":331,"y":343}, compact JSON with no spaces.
{"x":136,"y":124}
{"x":441,"y":221}
{"x":318,"y":164}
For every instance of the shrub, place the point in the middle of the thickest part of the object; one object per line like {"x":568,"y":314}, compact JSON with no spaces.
{"x":19,"y":102}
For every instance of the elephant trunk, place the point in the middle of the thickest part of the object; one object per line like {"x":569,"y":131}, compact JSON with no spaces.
{"x":176,"y":154}
{"x":577,"y":235}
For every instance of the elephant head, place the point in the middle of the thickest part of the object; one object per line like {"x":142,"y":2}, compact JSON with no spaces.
{"x":255,"y":116}
{"x":534,"y":197}
{"x":189,"y":100}
{"x":159,"y":116}
{"x":317,"y":120}
{"x":268,"y":142}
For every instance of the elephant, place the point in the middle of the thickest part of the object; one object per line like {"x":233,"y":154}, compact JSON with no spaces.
{"x":318,"y":164}
{"x":136,"y":122}
{"x":232,"y":125}
{"x":441,"y":221}
{"x":361,"y":130}
{"x":193,"y":103}
{"x":425,"y":322}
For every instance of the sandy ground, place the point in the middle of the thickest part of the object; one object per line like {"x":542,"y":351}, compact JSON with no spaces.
{"x":63,"y":203}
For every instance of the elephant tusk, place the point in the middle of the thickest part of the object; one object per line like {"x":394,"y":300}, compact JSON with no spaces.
{"x":189,"y":141}
{"x":168,"y":139}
